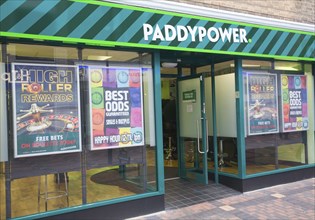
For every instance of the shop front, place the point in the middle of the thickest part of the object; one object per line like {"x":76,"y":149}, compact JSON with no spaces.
{"x":101,"y":102}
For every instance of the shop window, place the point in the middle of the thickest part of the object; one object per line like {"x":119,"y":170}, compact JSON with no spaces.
{"x":47,"y":130}
{"x":275,"y":151}
{"x":186,"y":72}
{"x":225,"y":118}
{"x":128,"y":114}
{"x":204,"y":69}
{"x":279,"y":124}
{"x":83,"y":128}
{"x":256,"y":64}
{"x":169,"y":71}
{"x":3,"y":135}
{"x":311,"y":107}
{"x":288,"y":66}
{"x":112,"y":56}
{"x":224,"y":67}
{"x":24,"y":52}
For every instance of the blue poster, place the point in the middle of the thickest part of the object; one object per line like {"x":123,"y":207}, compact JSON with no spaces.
{"x":46,"y":110}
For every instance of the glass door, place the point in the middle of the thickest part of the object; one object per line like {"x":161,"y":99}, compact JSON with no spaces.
{"x":193,"y":129}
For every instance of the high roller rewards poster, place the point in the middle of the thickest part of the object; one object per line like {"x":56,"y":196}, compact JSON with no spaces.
{"x":262,"y":103}
{"x":46,"y":110}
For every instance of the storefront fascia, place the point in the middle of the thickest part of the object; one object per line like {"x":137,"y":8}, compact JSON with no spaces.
{"x":155,"y":30}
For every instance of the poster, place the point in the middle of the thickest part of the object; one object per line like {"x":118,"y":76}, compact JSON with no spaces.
{"x":46,"y":110}
{"x":262,"y":103}
{"x":116,"y":107}
{"x":189,"y":96}
{"x":294,"y":103}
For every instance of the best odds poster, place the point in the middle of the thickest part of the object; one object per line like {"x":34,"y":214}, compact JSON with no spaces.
{"x":46,"y":110}
{"x":116,"y":107}
{"x":294,"y":103}
{"x":262,"y":103}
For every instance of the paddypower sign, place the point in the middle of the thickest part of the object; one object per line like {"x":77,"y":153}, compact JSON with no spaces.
{"x":196,"y":33}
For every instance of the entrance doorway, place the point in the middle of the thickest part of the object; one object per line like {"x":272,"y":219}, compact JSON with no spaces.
{"x":193,"y":129}
{"x":185,"y":128}
{"x":190,"y":99}
{"x":185,"y":124}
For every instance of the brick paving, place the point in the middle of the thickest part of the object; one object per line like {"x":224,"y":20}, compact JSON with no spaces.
{"x":288,"y":201}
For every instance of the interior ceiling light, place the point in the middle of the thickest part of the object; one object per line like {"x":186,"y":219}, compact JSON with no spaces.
{"x":101,"y":58}
{"x":169,"y":65}
{"x":286,"y":68}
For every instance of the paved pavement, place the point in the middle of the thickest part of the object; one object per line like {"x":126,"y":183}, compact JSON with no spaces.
{"x":288,"y":201}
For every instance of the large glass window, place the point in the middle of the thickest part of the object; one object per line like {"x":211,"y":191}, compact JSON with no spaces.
{"x":288,"y":66}
{"x":311,"y":106}
{"x":256,"y":65}
{"x":279,"y":126}
{"x":117,"y":168}
{"x":83,"y":128}
{"x":3,"y":135}
{"x":226,"y":129}
{"x":45,"y":158}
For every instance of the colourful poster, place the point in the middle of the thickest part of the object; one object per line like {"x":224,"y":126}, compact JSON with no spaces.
{"x":294,"y":103}
{"x":46,"y":110}
{"x":116,"y":107}
{"x":262,"y":103}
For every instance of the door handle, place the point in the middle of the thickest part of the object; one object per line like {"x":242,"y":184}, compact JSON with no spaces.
{"x":198,"y":137}
{"x":207,"y":138}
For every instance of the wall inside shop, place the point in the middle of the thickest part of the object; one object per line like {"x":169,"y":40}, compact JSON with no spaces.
{"x":291,"y":10}
{"x":165,"y":89}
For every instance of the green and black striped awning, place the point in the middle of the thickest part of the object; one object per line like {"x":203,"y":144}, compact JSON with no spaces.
{"x":107,"y":24}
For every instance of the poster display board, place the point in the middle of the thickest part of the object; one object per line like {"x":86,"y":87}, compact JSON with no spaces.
{"x":46,"y":110}
{"x":262,"y":103}
{"x":116,"y":107}
{"x":294,"y":103}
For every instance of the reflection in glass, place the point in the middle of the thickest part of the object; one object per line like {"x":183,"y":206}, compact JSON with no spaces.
{"x":275,"y":151}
